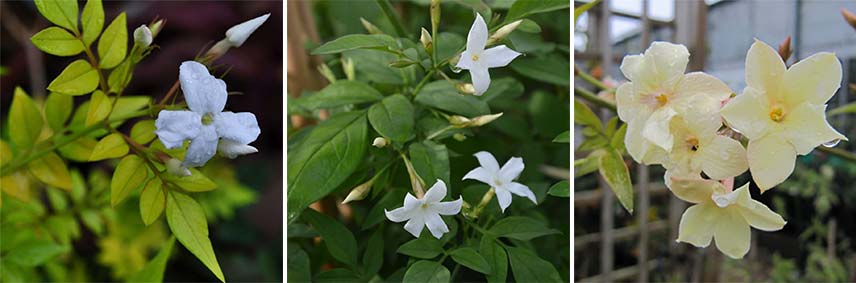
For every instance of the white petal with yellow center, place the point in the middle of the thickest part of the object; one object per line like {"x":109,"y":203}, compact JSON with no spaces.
{"x":771,"y":160}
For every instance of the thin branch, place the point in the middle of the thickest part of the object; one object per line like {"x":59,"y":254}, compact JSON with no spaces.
{"x":590,"y":79}
{"x":593,"y":98}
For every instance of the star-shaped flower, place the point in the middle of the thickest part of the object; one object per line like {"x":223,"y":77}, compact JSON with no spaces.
{"x":723,"y":215}
{"x":208,"y":128}
{"x":782,"y":110}
{"x":501,"y":179}
{"x":658,"y":91}
{"x":425,"y":212}
{"x":477,"y":60}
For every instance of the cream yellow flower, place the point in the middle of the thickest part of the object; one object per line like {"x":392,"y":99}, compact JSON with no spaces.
{"x":723,"y":215}
{"x":782,"y":110}
{"x":658,"y":91}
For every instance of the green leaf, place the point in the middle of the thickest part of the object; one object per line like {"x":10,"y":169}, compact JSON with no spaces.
{"x":336,"y":275}
{"x":34,"y":252}
{"x":340,"y":93}
{"x":111,"y":146}
{"x":423,"y":247}
{"x":615,"y":173}
{"x":390,"y":200}
{"x":57,"y":199}
{"x":588,"y":164}
{"x":27,"y":120}
{"x":524,"y":8}
{"x":143,"y":131}
{"x":617,"y":140}
{"x":373,"y":256}
{"x":560,"y":189}
{"x":564,"y":137}
{"x":584,"y":116}
{"x":528,"y":267}
{"x":129,"y":104}
{"x":443,"y":95}
{"x":130,"y":174}
{"x":99,"y":108}
{"x":92,"y":20}
{"x":51,"y":170}
{"x":298,"y":267}
{"x":187,"y":221}
{"x":77,"y":78}
{"x":427,"y":272}
{"x":113,"y":45}
{"x":356,"y":41}
{"x":79,"y":150}
{"x":196,"y":182}
{"x":582,"y":9}
{"x":339,"y":240}
{"x":392,"y":117}
{"x":120,"y":77}
{"x":153,"y":271}
{"x":470,"y":258}
{"x":549,"y":113}
{"x":431,"y":161}
{"x":60,"y":12}
{"x":328,"y":155}
{"x":844,"y":109}
{"x":57,"y":41}
{"x":529,"y":26}
{"x":553,"y":69}
{"x":495,"y":256}
{"x":58,"y":108}
{"x":152,"y":201}
{"x":521,"y":228}
{"x":92,"y":220}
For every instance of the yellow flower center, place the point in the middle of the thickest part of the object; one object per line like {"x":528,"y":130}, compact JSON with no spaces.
{"x":693,"y":142}
{"x":424,"y":205}
{"x":207,"y":119}
{"x":474,"y":57}
{"x":777,"y":114}
{"x":662,"y":99}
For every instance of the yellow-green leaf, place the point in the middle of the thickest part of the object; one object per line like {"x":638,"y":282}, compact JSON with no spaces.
{"x":5,"y":152}
{"x":16,"y":185}
{"x":60,"y":12}
{"x":129,"y":175}
{"x":129,"y":104}
{"x":51,"y":170}
{"x":196,"y":182}
{"x":24,"y":120}
{"x":187,"y":221}
{"x":58,"y":108}
{"x":79,"y":150}
{"x":92,"y":20}
{"x":113,"y":45}
{"x":120,"y":77}
{"x":143,"y":131}
{"x":57,"y":41}
{"x":78,"y":78}
{"x":152,"y":201}
{"x":111,"y":146}
{"x":615,"y":173}
{"x":99,"y":108}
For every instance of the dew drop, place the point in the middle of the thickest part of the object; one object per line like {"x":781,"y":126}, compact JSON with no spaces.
{"x":456,"y":69}
{"x":832,"y":143}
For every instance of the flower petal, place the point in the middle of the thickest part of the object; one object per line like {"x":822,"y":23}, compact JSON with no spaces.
{"x":756,"y":213}
{"x":722,"y":158}
{"x":481,"y":174}
{"x":436,"y":193}
{"x":436,"y":225}
{"x":701,"y":84}
{"x":695,"y":227}
{"x":771,"y":160}
{"x":481,"y":79}
{"x":503,"y":197}
{"x":477,"y":37}
{"x":174,"y":127}
{"x":630,"y":65}
{"x":521,"y":190}
{"x":639,"y":148}
{"x":498,"y":56}
{"x":448,"y":207}
{"x":765,"y":70}
{"x":669,"y":62}
{"x":230,"y":149}
{"x":239,"y":127}
{"x":628,"y":104}
{"x":201,"y":148}
{"x":415,"y":224}
{"x":732,"y":234}
{"x":203,"y":92}
{"x":657,"y":130}
{"x":807,"y":127}
{"x":748,"y":113}
{"x":814,"y":79}
{"x":466,"y":61}
{"x":411,"y":202}
{"x":487,"y":161}
{"x":239,"y":33}
{"x":511,"y":169}
{"x":694,"y":190}
{"x":399,"y":214}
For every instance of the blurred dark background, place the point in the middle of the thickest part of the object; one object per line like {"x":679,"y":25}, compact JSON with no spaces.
{"x":249,"y":244}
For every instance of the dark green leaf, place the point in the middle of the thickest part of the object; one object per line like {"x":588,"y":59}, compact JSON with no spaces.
{"x":423,"y":247}
{"x":298,"y":267}
{"x":523,"y":8}
{"x":356,"y":41}
{"x":560,"y":189}
{"x":373,"y":256}
{"x":431,"y":161}
{"x":392,"y":117}
{"x":521,"y":228}
{"x":528,"y":267}
{"x":553,"y":69}
{"x":495,"y":256}
{"x":427,"y":272}
{"x":34,"y":252}
{"x":564,"y":137}
{"x":470,"y":258}
{"x":443,"y":95}
{"x":340,"y":93}
{"x":339,"y":240}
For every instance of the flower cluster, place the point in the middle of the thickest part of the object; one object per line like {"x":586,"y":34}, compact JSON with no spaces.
{"x":690,"y":124}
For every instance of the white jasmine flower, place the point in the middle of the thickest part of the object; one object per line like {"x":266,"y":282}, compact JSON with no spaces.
{"x":782,"y":110}
{"x":721,"y":214}
{"x":658,"y":91}
{"x":501,"y":179}
{"x":206,"y":125}
{"x":477,"y":60}
{"x":143,"y":36}
{"x":425,"y":212}
{"x":239,"y":33}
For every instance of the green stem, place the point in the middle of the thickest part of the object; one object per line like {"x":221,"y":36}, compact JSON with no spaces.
{"x":839,"y":152}
{"x":484,"y":201}
{"x":386,"y":8}
{"x":423,"y":82}
{"x":437,"y":133}
{"x":590,"y":79}
{"x":593,"y":98}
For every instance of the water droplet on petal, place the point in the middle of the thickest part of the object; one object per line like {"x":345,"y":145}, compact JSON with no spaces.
{"x":832,"y":143}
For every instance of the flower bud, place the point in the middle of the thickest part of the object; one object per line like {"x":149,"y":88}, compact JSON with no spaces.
{"x":849,"y":17}
{"x":173,"y":166}
{"x":785,"y":49}
{"x":372,"y":29}
{"x":503,"y":32}
{"x":359,"y":192}
{"x":427,"y":41}
{"x":327,"y":72}
{"x":459,"y":121}
{"x":239,"y":33}
{"x":459,"y":137}
{"x":465,"y":88}
{"x":143,"y":36}
{"x":380,"y":142}
{"x":348,"y":68}
{"x":156,"y":27}
{"x":484,"y":119}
